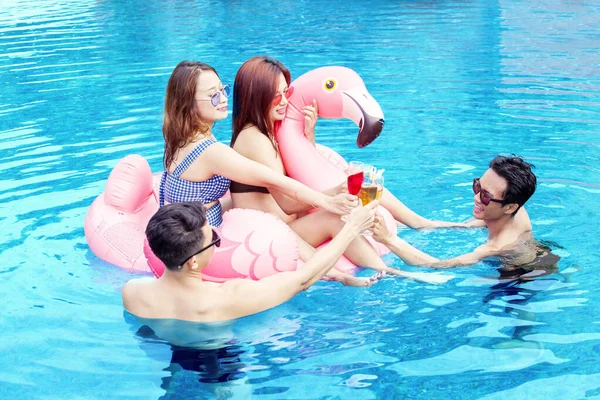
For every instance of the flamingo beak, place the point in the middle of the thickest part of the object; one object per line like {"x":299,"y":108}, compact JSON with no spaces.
{"x":360,"y":107}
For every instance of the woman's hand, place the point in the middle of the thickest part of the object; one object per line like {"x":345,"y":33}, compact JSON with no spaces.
{"x":341,"y":188}
{"x":311,"y":115}
{"x":339,"y":204}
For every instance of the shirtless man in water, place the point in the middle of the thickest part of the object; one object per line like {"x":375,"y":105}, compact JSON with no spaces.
{"x":499,"y":196}
{"x":182,"y":239}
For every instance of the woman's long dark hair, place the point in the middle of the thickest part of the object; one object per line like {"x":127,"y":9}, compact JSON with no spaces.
{"x":254,"y":88}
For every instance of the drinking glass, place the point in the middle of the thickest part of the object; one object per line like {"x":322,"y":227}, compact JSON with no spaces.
{"x":355,"y":178}
{"x":371,"y":189}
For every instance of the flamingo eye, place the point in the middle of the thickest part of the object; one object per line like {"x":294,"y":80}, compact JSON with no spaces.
{"x":329,"y":85}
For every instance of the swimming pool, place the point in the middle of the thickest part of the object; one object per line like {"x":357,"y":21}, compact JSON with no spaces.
{"x":459,"y":81}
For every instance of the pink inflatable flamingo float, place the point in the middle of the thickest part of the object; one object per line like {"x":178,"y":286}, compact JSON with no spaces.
{"x":340,"y":93}
{"x":253,"y":244}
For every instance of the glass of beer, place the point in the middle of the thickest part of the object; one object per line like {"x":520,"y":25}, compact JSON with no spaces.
{"x":371,"y":189}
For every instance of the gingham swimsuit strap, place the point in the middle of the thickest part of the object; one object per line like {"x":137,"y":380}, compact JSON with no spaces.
{"x":190,"y":158}
{"x":161,"y":189}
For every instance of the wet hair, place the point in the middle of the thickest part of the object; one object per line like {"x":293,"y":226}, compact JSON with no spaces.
{"x":175,"y":231}
{"x":254,"y":88}
{"x":182,"y":119}
{"x":521,"y":181}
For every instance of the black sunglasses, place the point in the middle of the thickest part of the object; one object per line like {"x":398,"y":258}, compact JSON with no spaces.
{"x":484,"y":195}
{"x":216,"y":241}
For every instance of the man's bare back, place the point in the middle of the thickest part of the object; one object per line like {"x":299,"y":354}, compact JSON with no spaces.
{"x":190,"y":300}
{"x":180,"y":293}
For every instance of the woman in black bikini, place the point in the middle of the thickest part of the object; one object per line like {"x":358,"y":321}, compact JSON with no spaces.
{"x":259,"y":106}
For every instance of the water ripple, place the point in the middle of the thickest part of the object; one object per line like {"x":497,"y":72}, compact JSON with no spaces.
{"x":83,"y":85}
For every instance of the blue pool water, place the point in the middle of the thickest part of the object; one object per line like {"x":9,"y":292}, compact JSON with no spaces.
{"x":82,"y":85}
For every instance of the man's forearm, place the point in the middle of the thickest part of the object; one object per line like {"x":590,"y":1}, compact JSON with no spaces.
{"x":408,"y":253}
{"x":326,"y":257}
{"x":413,"y":256}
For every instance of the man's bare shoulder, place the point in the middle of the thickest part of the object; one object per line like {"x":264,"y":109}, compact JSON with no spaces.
{"x":522,"y":220}
{"x":135,"y":291}
{"x":489,"y":249}
{"x":512,"y":238}
{"x":134,"y":285}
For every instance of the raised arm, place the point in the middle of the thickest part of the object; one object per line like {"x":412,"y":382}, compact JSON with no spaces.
{"x":288,"y":204}
{"x":413,"y":256}
{"x":223,"y":160}
{"x":292,"y":206}
{"x":249,"y":297}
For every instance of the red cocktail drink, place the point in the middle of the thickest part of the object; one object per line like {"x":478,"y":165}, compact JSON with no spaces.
{"x":355,"y":182}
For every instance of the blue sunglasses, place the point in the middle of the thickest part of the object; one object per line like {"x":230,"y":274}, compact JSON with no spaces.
{"x":215,"y":99}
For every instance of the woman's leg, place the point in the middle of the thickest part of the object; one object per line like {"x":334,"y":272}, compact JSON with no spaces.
{"x":400,"y":212}
{"x":408,"y":217}
{"x":306,"y":251}
{"x":320,"y":226}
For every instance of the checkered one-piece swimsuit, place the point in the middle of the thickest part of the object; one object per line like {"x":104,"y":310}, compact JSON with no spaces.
{"x":173,"y":189}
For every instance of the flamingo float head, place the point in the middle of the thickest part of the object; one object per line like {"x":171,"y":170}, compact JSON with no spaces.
{"x":340,"y":93}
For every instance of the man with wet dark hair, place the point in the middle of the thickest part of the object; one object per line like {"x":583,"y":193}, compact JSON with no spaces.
{"x":181,"y":238}
{"x":499,"y":196}
{"x":520,"y":180}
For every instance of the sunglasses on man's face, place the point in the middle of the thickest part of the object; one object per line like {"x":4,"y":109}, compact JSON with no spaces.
{"x":484,"y":195}
{"x":215,"y":99}
{"x":287,"y":93}
{"x":216,"y":241}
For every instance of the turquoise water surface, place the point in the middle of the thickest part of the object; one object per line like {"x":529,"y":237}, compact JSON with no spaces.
{"x":83,"y":85}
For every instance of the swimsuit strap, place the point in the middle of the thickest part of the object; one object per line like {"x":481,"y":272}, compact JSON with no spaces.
{"x":190,"y":158}
{"x":161,"y":189}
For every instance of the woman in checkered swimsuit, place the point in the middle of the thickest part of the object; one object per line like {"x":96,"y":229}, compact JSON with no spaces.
{"x":174,"y":189}
{"x":197,"y":167}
